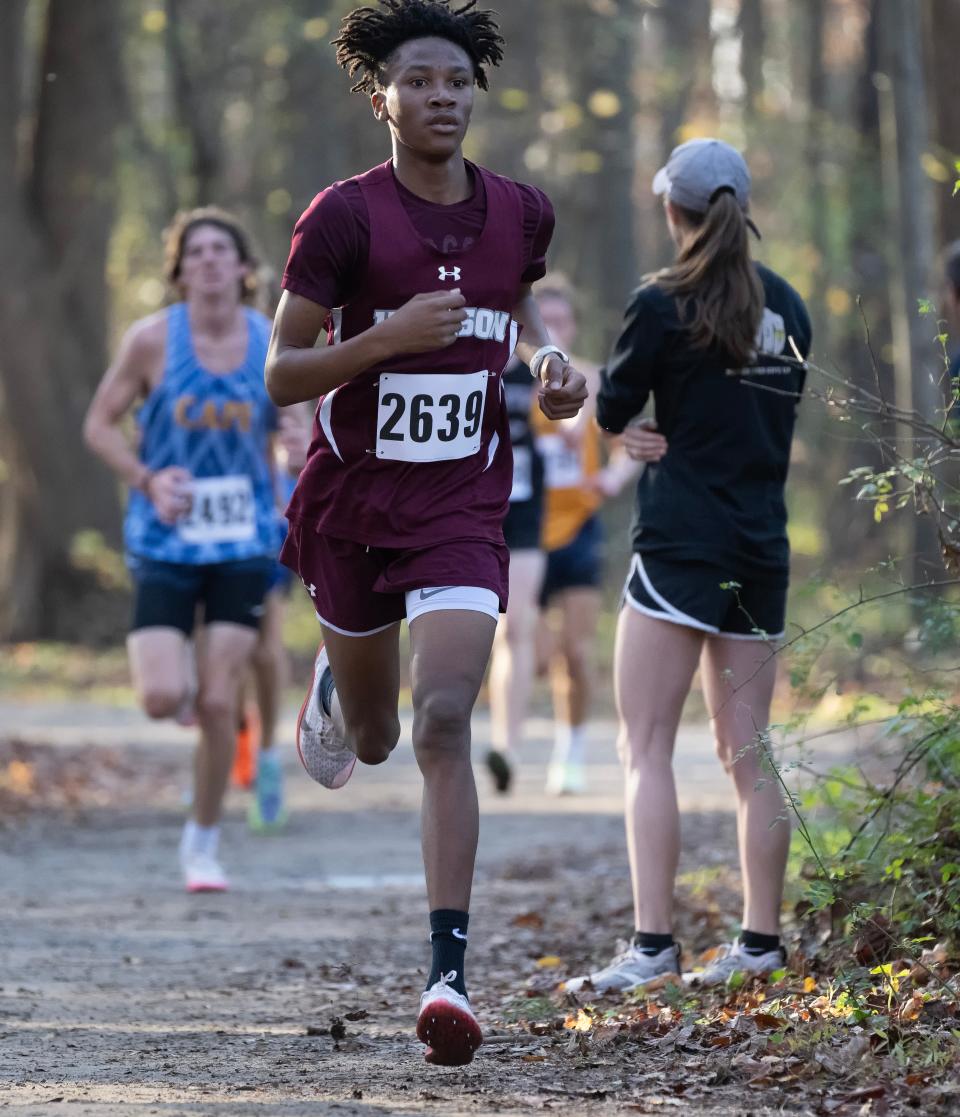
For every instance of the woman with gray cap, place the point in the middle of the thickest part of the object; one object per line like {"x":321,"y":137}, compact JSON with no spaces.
{"x":709,"y":339}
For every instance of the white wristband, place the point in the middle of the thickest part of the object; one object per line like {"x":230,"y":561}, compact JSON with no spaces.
{"x":541,"y":355}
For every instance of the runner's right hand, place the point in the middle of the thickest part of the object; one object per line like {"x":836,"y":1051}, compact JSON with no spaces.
{"x":427,"y":322}
{"x":169,"y":491}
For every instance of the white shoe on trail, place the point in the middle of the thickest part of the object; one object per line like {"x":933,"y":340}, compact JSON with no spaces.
{"x":630,"y":969}
{"x":731,"y":958}
{"x":447,"y":1025}
{"x":323,"y":752}
{"x":202,"y":872}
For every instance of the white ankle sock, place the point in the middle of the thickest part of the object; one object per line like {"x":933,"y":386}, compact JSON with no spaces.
{"x":199,"y":839}
{"x":569,"y":744}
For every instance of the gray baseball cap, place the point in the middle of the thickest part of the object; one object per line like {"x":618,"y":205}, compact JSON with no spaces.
{"x":698,"y":170}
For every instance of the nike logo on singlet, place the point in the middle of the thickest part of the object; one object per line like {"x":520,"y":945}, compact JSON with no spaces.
{"x":424,"y":594}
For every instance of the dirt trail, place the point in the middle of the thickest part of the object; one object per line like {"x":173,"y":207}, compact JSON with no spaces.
{"x":121,"y":995}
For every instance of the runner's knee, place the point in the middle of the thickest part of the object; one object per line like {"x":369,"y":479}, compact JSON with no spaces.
{"x":375,"y":738}
{"x":159,"y":701}
{"x":646,"y":744}
{"x":441,"y":721}
{"x":214,"y":705}
{"x":742,"y":759}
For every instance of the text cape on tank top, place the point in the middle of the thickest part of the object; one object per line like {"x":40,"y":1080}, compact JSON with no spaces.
{"x":417,"y":451}
{"x":218,"y":427}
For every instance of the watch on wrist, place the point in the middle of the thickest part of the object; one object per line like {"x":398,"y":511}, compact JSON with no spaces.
{"x":536,"y":361}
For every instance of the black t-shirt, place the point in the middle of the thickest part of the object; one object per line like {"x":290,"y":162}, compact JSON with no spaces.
{"x":519,"y":387}
{"x":718,"y":493}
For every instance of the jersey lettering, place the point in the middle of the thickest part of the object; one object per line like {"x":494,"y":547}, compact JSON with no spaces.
{"x":482,"y":323}
{"x":229,"y":415}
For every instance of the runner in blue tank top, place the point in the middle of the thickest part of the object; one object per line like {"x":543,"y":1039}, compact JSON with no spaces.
{"x":200,"y":529}
{"x":429,"y":261}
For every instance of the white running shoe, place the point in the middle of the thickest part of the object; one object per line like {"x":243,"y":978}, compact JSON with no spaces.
{"x":323,"y":752}
{"x":630,"y":969}
{"x":731,"y":958}
{"x":447,"y":1025}
{"x":566,"y":778}
{"x":202,"y":872}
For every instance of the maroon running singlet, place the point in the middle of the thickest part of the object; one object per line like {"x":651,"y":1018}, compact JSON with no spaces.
{"x":414,"y":454}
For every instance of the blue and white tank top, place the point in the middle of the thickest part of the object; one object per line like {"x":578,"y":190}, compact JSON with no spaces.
{"x":217,"y":426}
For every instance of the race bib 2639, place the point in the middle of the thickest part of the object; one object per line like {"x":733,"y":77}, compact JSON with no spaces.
{"x":430,"y":417}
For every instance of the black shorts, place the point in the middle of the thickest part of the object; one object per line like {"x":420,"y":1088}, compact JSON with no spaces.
{"x":578,"y":565}
{"x":167,"y":594}
{"x":521,"y":526}
{"x":709,"y":597}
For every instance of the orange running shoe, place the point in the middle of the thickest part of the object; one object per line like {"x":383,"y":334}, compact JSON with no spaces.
{"x":244,"y":771}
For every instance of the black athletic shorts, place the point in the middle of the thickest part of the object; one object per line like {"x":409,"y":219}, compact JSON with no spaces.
{"x":578,"y":565}
{"x":708,"y":597}
{"x":167,"y":594}
{"x":521,"y":527}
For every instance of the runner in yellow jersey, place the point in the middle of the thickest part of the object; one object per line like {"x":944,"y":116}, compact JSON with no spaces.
{"x":577,"y":483}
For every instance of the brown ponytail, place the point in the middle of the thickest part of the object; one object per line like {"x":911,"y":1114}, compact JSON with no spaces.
{"x":713,"y":278}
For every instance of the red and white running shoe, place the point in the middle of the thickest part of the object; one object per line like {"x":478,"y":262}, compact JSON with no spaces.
{"x":202,"y":872}
{"x":446,"y":1024}
{"x":323,"y":752}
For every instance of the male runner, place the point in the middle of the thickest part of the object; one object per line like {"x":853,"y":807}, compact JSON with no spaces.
{"x":577,"y":483}
{"x":256,"y":761}
{"x":200,"y":528}
{"x":398,"y":513}
{"x":513,"y":661}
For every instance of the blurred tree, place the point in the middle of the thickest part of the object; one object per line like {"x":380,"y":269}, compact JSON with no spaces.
{"x":943,"y":37}
{"x":56,"y":215}
{"x":904,"y":137}
{"x":752,"y":26}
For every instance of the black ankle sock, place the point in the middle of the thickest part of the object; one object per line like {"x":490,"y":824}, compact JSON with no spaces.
{"x":448,"y":937}
{"x":326,"y":690}
{"x":755,"y":943}
{"x":651,"y":944}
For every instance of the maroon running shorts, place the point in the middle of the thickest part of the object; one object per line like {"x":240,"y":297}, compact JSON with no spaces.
{"x":359,"y":590}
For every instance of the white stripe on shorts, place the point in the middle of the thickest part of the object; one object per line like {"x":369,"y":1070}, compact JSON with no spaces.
{"x":345,"y":632}
{"x":670,"y":612}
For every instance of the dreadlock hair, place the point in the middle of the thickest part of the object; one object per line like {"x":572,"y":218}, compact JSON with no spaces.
{"x":369,"y":36}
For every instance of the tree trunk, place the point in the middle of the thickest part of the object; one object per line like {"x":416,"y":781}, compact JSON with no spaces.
{"x":752,"y":27}
{"x":919,"y":371}
{"x":943,"y":35}
{"x":55,"y":222}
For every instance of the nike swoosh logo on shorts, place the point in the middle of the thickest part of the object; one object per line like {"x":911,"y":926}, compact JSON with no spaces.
{"x":424,"y":594}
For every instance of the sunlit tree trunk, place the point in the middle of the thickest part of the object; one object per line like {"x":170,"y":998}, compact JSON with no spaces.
{"x":943,"y":37}
{"x":919,"y":371}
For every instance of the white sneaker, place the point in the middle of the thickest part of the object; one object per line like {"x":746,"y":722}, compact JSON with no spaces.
{"x":202,"y":872}
{"x":731,"y":958}
{"x":630,"y":969}
{"x":566,"y":778}
{"x":447,"y":1025}
{"x":323,"y":752}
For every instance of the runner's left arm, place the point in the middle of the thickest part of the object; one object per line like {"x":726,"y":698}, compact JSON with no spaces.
{"x":563,"y":389}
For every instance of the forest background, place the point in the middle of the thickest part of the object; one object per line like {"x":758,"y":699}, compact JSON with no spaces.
{"x":115,"y":113}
